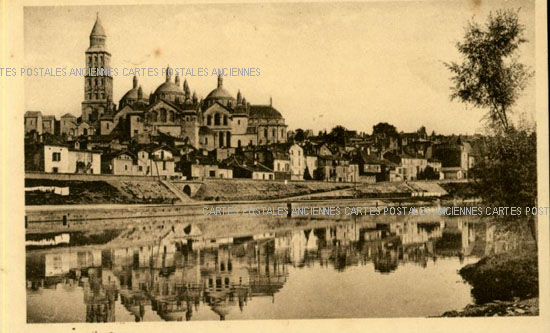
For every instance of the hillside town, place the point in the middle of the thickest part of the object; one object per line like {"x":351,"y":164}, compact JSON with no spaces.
{"x":172,"y":134}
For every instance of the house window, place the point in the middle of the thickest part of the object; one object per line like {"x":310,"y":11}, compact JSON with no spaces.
{"x":238,"y":122}
{"x":273,"y":132}
{"x":205,"y":141}
{"x":56,"y":157}
{"x":212,"y":173}
{"x":125,"y":167}
{"x":265,"y":132}
{"x":163,"y":165}
{"x":140,"y":168}
{"x":270,"y":177}
{"x":55,"y":170}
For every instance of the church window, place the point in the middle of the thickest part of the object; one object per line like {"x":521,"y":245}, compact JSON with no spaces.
{"x":265,"y":132}
{"x":273,"y":132}
{"x":102,"y":95}
{"x":163,"y":115}
{"x":90,"y":61}
{"x":205,"y":141}
{"x":95,"y":82}
{"x":282,"y":133}
{"x":225,"y":120}
{"x":171,"y":116}
{"x":216,"y":119}
{"x":239,"y":143}
{"x":209,"y":120}
{"x":238,"y":122}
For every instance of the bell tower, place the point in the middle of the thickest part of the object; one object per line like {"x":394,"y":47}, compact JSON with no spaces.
{"x":98,"y":82}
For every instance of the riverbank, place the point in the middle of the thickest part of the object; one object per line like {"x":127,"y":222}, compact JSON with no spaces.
{"x":44,"y":219}
{"x":92,"y":190}
{"x":503,"y":284}
{"x":526,"y":307}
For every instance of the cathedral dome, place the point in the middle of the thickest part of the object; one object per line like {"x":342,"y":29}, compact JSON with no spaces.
{"x":169,"y":87}
{"x":219,"y":94}
{"x":264,"y":112}
{"x":169,"y":90}
{"x":131,"y":95}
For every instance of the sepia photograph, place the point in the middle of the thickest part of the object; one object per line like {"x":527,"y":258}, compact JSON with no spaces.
{"x":277,"y":161}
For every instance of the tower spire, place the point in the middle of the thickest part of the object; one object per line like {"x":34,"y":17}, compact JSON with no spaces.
{"x":168,"y":74}
{"x":97,"y":36}
{"x":220,"y":81}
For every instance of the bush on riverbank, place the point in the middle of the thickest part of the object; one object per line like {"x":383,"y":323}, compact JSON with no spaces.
{"x":460,"y":190}
{"x":503,"y":276}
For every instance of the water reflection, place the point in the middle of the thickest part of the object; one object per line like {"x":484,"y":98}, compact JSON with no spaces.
{"x":174,"y":273}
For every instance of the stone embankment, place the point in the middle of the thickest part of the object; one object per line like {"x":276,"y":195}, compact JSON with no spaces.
{"x":109,"y":189}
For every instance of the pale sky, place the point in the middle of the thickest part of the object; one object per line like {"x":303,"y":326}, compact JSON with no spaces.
{"x":324,"y":64}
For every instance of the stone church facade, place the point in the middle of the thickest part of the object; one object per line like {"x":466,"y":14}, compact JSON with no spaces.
{"x":220,"y":120}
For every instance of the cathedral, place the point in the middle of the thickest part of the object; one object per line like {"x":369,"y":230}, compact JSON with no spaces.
{"x":218,"y":121}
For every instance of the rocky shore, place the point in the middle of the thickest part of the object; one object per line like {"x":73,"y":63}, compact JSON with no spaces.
{"x":526,"y":307}
{"x":504,"y":284}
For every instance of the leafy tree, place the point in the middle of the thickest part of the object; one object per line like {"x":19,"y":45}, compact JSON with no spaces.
{"x":428,"y":173}
{"x":299,"y":135}
{"x":490,"y":75}
{"x":506,"y":175}
{"x":338,"y":135}
{"x":384,"y":129}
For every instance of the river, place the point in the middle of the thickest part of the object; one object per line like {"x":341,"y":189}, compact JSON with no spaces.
{"x":271,"y":268}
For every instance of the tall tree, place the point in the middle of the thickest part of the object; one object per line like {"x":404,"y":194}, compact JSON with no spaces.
{"x":385,"y":129}
{"x":490,"y":75}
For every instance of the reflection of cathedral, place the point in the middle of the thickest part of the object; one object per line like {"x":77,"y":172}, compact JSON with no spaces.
{"x":173,"y":279}
{"x":219,"y":120}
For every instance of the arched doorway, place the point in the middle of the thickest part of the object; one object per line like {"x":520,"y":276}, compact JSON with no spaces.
{"x":187,"y":190}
